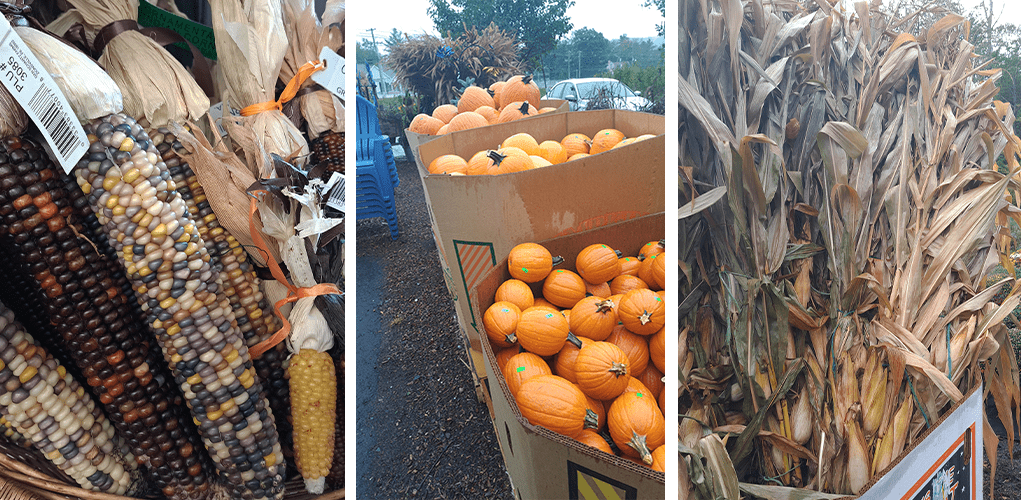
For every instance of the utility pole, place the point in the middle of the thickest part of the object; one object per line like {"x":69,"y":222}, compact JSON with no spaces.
{"x":372,"y":33}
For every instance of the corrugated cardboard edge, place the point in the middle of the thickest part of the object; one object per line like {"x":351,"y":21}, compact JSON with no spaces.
{"x":415,"y":139}
{"x":591,"y":236}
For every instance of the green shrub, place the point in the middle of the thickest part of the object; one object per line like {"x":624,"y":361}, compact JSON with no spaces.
{"x":650,"y":81}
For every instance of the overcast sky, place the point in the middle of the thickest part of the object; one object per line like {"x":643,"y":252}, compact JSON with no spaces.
{"x":612,"y":18}
{"x":1009,"y":11}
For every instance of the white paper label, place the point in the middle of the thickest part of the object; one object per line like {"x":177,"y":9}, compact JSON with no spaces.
{"x":332,"y":76}
{"x":216,"y":113}
{"x":41,"y":98}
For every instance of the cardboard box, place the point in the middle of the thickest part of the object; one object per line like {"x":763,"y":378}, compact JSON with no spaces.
{"x":476,"y":220}
{"x":415,"y":139}
{"x":948,"y":460}
{"x":543,"y":464}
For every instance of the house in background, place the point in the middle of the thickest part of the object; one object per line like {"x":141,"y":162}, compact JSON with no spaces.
{"x":386,"y":85}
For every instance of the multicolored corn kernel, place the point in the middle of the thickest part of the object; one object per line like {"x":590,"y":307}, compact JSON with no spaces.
{"x":96,"y":321}
{"x":167,"y":263}
{"x":41,"y":401}
{"x":329,"y":149}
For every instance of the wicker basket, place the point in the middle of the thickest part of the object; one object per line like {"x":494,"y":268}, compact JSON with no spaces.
{"x":26,"y":475}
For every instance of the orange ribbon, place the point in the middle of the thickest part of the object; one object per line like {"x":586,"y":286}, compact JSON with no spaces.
{"x":289,"y":92}
{"x":293,"y":293}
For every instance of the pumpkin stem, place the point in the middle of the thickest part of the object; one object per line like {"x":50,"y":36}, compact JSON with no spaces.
{"x":524,"y":108}
{"x":557,"y":260}
{"x":511,"y":338}
{"x":527,"y":79}
{"x":491,"y":93}
{"x":620,"y":254}
{"x":637,"y":443}
{"x":605,"y":305}
{"x":496,"y":157}
{"x":662,"y":244}
{"x":645,"y":317}
{"x":618,"y":369}
{"x":591,"y":419}
{"x":572,"y":338}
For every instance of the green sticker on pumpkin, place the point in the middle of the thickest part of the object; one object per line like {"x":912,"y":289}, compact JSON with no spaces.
{"x":505,"y":310}
{"x":524,"y":269}
{"x":549,"y":315}
{"x":639,"y":394}
{"x":521,"y":369}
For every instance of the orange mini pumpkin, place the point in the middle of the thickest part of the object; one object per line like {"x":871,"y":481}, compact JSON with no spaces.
{"x":636,"y":425}
{"x":592,"y":438}
{"x":448,"y":164}
{"x":473,"y":98}
{"x":542,"y":331}
{"x":516,"y":111}
{"x":478,"y":164}
{"x":444,"y":129}
{"x":597,"y":263}
{"x":521,"y":367}
{"x":600,"y":290}
{"x":602,"y":370}
{"x":445,"y":112}
{"x":563,"y":364}
{"x":496,"y":89}
{"x":521,"y":88}
{"x":642,"y":311}
{"x":576,"y":143}
{"x":657,"y":349}
{"x":578,"y":156}
{"x":530,"y":262}
{"x":652,"y":377}
{"x":605,"y":139}
{"x":508,"y":163}
{"x":554,"y":403}
{"x":635,"y":385}
{"x":489,"y":113}
{"x":651,"y":248}
{"x":659,"y":271}
{"x":635,"y":346}
{"x":505,"y":354}
{"x":593,"y":317}
{"x":516,"y":292}
{"x":552,"y":151}
{"x":563,"y":288}
{"x":658,"y":458}
{"x":541,"y":302}
{"x":625,"y":283}
{"x":467,"y":120}
{"x":647,"y":271}
{"x":425,"y":124}
{"x":540,"y":162}
{"x":628,"y":265}
{"x":501,"y":321}
{"x":522,"y":140}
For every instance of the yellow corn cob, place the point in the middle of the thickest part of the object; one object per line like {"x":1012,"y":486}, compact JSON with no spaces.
{"x":313,"y":409}
{"x":857,"y":457}
{"x":873,"y":393}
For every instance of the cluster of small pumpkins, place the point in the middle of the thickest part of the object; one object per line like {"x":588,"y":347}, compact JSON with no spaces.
{"x":522,"y":151}
{"x":583,"y":352}
{"x":503,"y":102}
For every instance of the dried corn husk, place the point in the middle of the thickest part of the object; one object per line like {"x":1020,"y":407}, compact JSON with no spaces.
{"x":250,"y":45}
{"x":872,"y":223}
{"x":156,"y":86}
{"x":88,"y":89}
{"x":321,"y":109}
{"x":13,"y":120}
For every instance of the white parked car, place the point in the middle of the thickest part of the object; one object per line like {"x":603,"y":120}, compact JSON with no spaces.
{"x":579,"y":91}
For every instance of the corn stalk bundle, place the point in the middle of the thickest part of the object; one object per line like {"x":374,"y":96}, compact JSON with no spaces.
{"x":155,"y":86}
{"x":846,"y":176}
{"x":134,"y":197}
{"x":320,"y":109}
{"x":431,"y":67}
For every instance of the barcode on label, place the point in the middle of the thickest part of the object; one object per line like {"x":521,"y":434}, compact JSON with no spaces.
{"x":52,"y":117}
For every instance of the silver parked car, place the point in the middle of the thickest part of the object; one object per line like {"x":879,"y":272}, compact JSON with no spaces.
{"x":579,"y":91}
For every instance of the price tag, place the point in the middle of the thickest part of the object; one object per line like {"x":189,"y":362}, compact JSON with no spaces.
{"x":216,"y":113}
{"x":41,"y":98}
{"x":332,"y":77}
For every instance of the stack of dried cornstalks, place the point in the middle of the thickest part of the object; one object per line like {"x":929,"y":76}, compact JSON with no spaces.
{"x":844,"y":206}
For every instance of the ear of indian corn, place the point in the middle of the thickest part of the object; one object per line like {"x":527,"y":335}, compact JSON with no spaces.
{"x":336,"y":476}
{"x":313,"y":408}
{"x":42,"y":402}
{"x":147,"y":222}
{"x":237,"y":277}
{"x":329,"y":149}
{"x":96,"y":320}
